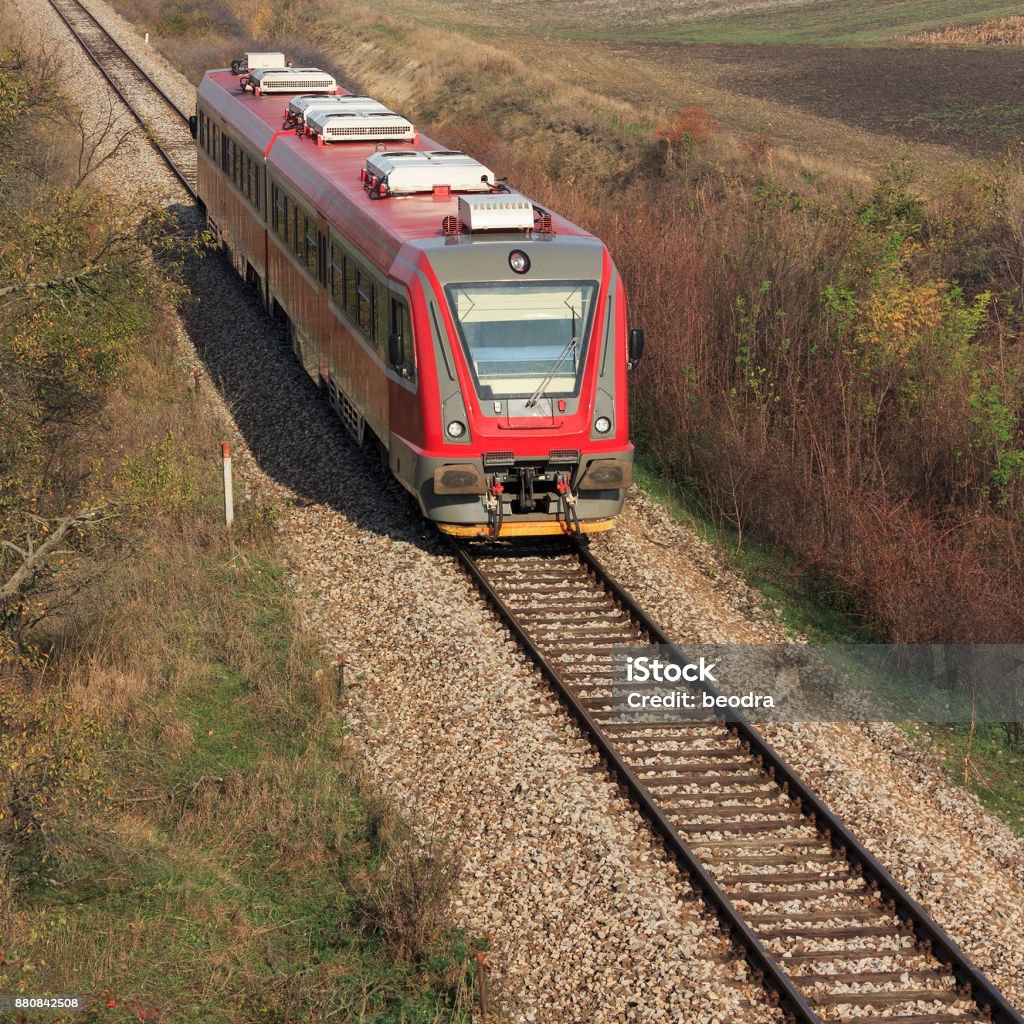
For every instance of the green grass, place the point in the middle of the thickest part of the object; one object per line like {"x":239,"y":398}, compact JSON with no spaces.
{"x":833,"y":23}
{"x":228,"y":878}
{"x":995,"y":767}
{"x":1000,"y":121}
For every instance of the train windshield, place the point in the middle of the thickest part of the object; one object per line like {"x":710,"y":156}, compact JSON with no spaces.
{"x":523,"y":338}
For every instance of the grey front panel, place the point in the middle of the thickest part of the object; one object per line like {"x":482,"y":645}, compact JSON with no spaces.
{"x":416,"y":473}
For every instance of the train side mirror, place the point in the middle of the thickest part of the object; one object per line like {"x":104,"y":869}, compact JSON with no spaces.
{"x":396,"y":353}
{"x":193,"y":126}
{"x":636,"y":345}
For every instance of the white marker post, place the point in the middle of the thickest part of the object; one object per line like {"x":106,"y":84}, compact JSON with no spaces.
{"x":229,"y":499}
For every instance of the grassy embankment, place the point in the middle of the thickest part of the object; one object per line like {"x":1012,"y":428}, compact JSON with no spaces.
{"x":184,"y":835}
{"x":833,"y":373}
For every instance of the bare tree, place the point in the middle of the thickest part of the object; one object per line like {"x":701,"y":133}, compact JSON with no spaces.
{"x":35,"y":554}
{"x":99,"y":137}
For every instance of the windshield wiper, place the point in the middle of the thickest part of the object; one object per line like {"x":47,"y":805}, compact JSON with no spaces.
{"x":570,"y":347}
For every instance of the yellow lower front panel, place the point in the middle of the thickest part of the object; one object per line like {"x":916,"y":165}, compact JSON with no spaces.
{"x":545,"y":528}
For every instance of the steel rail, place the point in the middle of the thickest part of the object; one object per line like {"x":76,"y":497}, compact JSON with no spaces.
{"x":929,"y":933}
{"x":762,"y":962}
{"x":96,"y":60}
{"x":839,"y":836}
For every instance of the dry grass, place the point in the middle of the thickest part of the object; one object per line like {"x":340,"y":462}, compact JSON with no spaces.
{"x":411,"y":902}
{"x":238,"y":846}
{"x":993,"y":32}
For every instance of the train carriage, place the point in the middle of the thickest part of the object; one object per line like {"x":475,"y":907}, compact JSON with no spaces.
{"x":480,"y":339}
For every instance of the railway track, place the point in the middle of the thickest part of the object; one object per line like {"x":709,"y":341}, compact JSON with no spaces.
{"x":827,"y":929}
{"x":824,"y":926}
{"x":161,"y":120}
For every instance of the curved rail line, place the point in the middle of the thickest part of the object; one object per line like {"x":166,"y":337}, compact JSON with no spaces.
{"x":169,"y":133}
{"x":747,"y":830}
{"x":822,"y":923}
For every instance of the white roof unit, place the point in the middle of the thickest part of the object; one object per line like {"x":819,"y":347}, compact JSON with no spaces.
{"x":366,"y":125}
{"x":281,"y":79}
{"x":253,"y":61}
{"x":497,"y":212}
{"x":302,"y":107}
{"x":405,"y":173}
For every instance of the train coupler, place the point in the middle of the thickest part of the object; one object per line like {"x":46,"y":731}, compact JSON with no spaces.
{"x":568,"y":500}
{"x":495,"y":507}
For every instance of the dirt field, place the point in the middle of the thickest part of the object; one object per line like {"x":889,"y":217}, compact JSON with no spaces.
{"x":972,"y":100}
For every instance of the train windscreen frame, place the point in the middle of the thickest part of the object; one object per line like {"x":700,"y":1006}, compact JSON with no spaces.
{"x":524,"y":337}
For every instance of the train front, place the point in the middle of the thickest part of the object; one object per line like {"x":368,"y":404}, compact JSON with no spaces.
{"x":528,"y":432}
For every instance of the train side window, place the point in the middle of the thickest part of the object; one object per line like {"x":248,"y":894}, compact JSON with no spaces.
{"x":382,"y":320}
{"x":338,"y":260}
{"x":401,"y":324}
{"x":311,"y":246}
{"x":289,"y":221}
{"x":298,"y":232}
{"x":364,"y":301}
{"x":280,"y":210}
{"x":350,"y":285}
{"x":215,"y":152}
{"x":254,"y":183}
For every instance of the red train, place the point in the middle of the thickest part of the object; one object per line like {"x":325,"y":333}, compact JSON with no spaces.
{"x":480,"y":338}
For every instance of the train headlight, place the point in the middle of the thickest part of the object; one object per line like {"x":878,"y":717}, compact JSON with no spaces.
{"x":602,"y":424}
{"x":456,"y":429}
{"x":519,"y":261}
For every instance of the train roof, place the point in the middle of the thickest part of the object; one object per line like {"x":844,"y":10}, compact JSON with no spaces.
{"x":328,"y":176}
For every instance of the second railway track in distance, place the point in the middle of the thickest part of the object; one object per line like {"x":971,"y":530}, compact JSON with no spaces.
{"x":159,"y":117}
{"x":820,"y":920}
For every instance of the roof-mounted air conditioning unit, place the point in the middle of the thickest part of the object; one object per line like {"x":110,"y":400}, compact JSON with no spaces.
{"x":278,"y":80}
{"x":407,"y":173}
{"x":360,"y":126}
{"x":302,"y":108}
{"x":502,"y":211}
{"x":254,"y":61}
